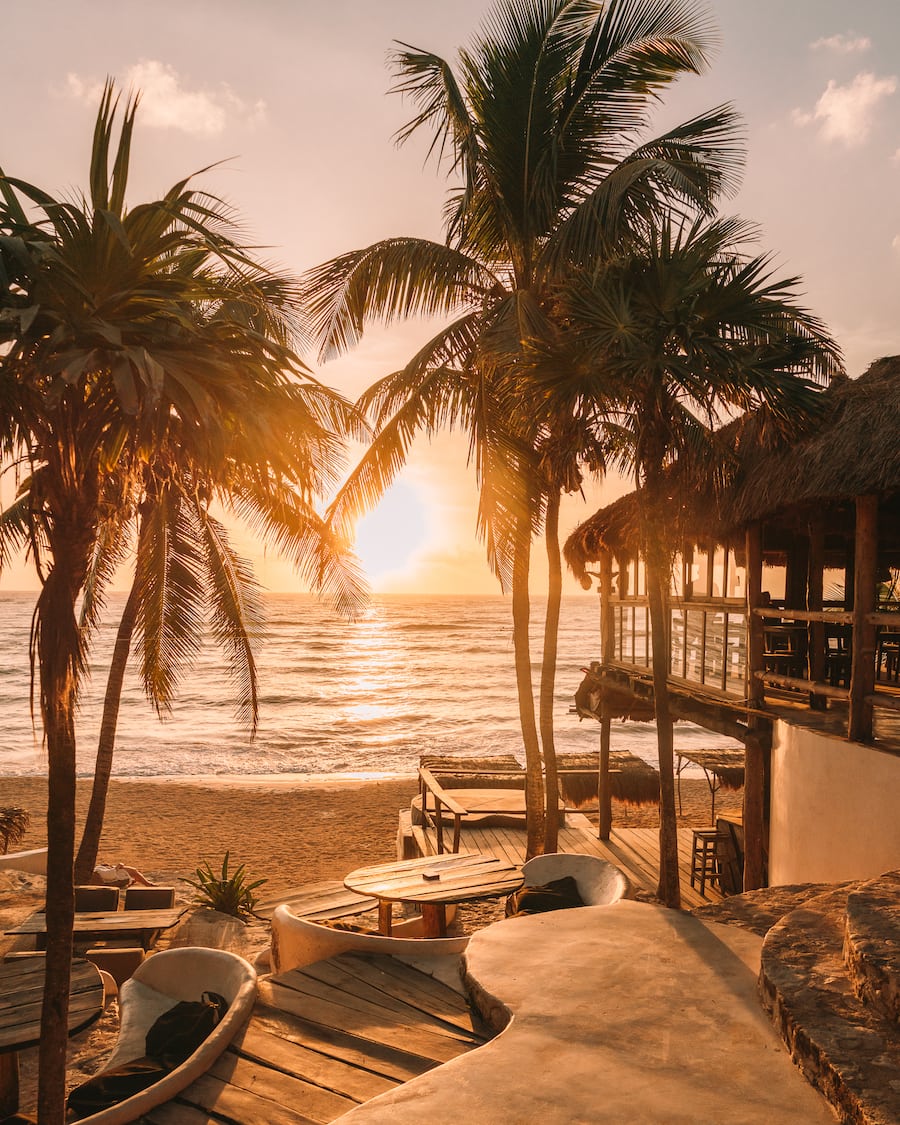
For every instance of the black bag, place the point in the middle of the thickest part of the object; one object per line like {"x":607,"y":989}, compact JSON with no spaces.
{"x":114,"y":1086}
{"x":558,"y":894}
{"x":178,"y":1032}
{"x":174,"y":1037}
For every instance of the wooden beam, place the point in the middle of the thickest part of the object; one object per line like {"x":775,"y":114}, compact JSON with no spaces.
{"x":607,"y":649}
{"x":755,"y":818}
{"x":862,"y":666}
{"x":815,"y":591}
{"x":796,"y":684}
{"x":755,"y":638}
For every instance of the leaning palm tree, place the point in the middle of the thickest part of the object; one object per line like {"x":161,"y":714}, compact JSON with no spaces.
{"x":187,"y":573}
{"x":539,"y":125}
{"x":680,"y":335}
{"x":122,"y":328}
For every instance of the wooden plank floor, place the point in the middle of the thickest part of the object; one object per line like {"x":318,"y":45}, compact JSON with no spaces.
{"x":325,"y":1038}
{"x":634,"y":850}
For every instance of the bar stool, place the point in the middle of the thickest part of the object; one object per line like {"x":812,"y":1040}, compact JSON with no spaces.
{"x":704,"y":859}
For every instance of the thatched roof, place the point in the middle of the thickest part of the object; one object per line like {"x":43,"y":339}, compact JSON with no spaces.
{"x":853,"y":451}
{"x":460,"y":771}
{"x":631,"y":779}
{"x":725,"y":764}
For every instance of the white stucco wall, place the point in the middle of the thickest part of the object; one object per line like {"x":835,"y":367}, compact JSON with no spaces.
{"x":835,"y":809}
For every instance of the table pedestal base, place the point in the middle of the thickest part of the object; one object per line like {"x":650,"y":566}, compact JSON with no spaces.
{"x":434,"y":919}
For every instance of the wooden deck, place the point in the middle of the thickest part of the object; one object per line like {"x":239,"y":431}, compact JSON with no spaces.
{"x":633,"y":850}
{"x":325,"y":1038}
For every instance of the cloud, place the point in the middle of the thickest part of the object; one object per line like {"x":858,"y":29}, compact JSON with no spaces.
{"x":843,"y":44}
{"x":895,"y":243}
{"x":845,"y":113}
{"x":167,"y":104}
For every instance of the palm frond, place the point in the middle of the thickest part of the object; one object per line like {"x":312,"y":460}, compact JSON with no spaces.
{"x":170,"y":619}
{"x":395,"y":278}
{"x":236,"y":613}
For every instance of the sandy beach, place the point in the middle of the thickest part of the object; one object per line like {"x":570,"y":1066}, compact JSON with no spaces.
{"x":286,"y":831}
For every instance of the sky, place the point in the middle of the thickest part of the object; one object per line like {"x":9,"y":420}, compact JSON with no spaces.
{"x":289,"y":99}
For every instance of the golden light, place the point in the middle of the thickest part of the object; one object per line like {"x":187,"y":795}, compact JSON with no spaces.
{"x":393,"y":535}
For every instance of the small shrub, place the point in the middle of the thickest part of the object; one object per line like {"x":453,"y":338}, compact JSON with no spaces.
{"x":13,"y":823}
{"x":226,"y":893}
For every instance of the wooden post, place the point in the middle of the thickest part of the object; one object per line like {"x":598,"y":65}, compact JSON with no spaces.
{"x":862,"y":665}
{"x":754,"y":752}
{"x":607,"y":646}
{"x":755,"y":646}
{"x":755,"y":813}
{"x":815,"y":591}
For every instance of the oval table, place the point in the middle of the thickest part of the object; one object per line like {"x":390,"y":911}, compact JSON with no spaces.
{"x":433,"y":882}
{"x":21,"y":998}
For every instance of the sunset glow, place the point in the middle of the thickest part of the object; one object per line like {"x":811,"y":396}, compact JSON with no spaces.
{"x":393,"y":536}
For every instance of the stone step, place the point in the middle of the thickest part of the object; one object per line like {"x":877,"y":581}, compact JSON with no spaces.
{"x":872,"y":944}
{"x":845,"y":1049}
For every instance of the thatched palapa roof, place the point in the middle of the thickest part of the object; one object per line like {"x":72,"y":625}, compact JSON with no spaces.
{"x":724,"y":764}
{"x":854,"y":450}
{"x":631,"y":779}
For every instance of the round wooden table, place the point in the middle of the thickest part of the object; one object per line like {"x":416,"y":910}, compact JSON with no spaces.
{"x":431,"y":883}
{"x":21,"y":998}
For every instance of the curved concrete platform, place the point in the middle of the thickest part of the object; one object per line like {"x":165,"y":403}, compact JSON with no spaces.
{"x":628,"y":1013}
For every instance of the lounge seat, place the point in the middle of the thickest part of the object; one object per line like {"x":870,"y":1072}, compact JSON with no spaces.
{"x":599,"y":882}
{"x":34,"y":861}
{"x":157,"y":985}
{"x":298,"y":941}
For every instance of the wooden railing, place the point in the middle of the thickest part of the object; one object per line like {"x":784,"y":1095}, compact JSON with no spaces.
{"x":709,"y":645}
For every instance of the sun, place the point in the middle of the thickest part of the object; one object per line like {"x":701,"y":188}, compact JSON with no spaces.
{"x":392,"y":536}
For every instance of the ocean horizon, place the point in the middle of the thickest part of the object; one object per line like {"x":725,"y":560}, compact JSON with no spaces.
{"x":364,"y":699}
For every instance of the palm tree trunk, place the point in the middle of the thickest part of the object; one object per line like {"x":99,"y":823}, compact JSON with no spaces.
{"x":534,"y":784}
{"x":86,"y":860}
{"x":60,"y":660}
{"x":548,"y":671}
{"x":669,"y":890}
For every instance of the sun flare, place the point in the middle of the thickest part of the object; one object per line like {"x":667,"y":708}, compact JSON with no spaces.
{"x":390,"y":539}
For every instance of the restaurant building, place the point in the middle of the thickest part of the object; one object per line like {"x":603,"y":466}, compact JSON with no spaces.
{"x":783,"y":630}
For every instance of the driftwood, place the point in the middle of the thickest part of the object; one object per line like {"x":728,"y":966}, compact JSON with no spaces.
{"x":631,"y":779}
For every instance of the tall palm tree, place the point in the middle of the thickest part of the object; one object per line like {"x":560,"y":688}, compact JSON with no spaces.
{"x":680,"y":335}
{"x":566,"y":450}
{"x":539,"y":125}
{"x":121,"y":327}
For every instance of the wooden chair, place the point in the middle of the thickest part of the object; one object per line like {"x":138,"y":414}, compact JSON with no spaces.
{"x":90,"y":899}
{"x":149,"y":898}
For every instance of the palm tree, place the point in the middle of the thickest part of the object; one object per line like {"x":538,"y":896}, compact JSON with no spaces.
{"x":566,"y":450}
{"x":185,"y":570}
{"x":122,"y":328}
{"x":539,"y":126}
{"x":682,"y":334}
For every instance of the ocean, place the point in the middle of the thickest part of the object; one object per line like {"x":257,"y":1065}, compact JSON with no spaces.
{"x":417,"y":674}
